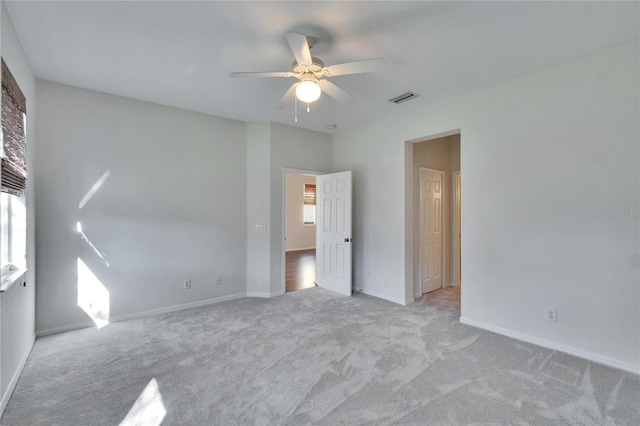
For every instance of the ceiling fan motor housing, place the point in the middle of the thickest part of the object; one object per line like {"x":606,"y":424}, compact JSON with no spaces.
{"x":315,"y":68}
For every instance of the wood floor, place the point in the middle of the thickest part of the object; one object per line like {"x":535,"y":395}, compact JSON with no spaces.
{"x":300,"y":269}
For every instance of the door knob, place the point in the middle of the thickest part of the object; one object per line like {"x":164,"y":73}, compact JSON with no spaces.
{"x":346,"y":240}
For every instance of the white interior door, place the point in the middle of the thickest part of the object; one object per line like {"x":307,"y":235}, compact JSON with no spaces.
{"x":333,"y":232}
{"x":431,"y":182}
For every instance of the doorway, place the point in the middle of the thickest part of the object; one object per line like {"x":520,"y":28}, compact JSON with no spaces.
{"x":299,"y":216}
{"x":442,"y":154}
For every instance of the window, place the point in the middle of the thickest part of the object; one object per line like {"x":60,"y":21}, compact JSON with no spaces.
{"x":13,"y":244}
{"x":13,"y":216}
{"x":309,"y":207}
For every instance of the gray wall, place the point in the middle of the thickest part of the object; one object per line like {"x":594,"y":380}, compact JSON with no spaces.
{"x":17,"y":305}
{"x":292,"y":148}
{"x":171,"y":208}
{"x":544,"y":157}
{"x":271,"y":148}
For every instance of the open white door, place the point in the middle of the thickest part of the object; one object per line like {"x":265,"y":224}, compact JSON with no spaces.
{"x":333,"y":232}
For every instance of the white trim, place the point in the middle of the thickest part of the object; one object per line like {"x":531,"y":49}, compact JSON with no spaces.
{"x":64,"y":329}
{"x":591,"y":356}
{"x":175,"y":308}
{"x":418,"y":287}
{"x":16,"y":375}
{"x":264,"y":294}
{"x":285,"y":171}
{"x":258,"y":294}
{"x":143,"y":314}
{"x":10,"y":275}
{"x":455,"y":249}
{"x":385,"y":297}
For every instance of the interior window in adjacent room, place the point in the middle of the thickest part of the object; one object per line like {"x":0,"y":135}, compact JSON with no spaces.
{"x":309,"y":207}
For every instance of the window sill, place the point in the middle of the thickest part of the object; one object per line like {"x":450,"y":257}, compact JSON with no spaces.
{"x":10,"y":277}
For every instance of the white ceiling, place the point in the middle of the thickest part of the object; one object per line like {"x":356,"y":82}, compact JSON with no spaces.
{"x":180,"y":53}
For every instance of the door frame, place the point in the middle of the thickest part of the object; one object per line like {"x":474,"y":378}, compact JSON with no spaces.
{"x":456,"y":219}
{"x":285,"y":171}
{"x":444,"y":231}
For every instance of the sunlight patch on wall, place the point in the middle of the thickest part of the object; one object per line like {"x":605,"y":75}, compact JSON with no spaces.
{"x":93,"y":297}
{"x":148,"y":410}
{"x":96,"y":186}
{"x":86,"y":239}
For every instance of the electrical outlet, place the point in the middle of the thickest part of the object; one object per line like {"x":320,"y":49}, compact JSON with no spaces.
{"x":218,"y":279}
{"x":187,"y":284}
{"x":552,"y":314}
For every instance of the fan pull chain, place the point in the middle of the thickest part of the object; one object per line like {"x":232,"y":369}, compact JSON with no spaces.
{"x":308,"y":107}
{"x":295,"y":116}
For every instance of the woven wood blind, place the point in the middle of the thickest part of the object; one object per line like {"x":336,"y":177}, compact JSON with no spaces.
{"x":310,"y":194}
{"x":14,"y":148}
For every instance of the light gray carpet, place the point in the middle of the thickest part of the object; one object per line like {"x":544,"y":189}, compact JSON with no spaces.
{"x":312,"y":357}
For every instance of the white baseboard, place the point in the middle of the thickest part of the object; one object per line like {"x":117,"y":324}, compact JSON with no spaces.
{"x":591,"y":356}
{"x":264,"y":294}
{"x":385,"y":297}
{"x":142,"y":314}
{"x":175,"y":308}
{"x":258,"y":294}
{"x":16,"y":376}
{"x":298,"y":249}
{"x":64,"y":329}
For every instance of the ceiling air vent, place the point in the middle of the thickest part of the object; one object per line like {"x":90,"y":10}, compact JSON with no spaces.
{"x":403,"y":98}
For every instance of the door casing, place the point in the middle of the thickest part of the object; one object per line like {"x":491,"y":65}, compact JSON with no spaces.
{"x":456,"y":234}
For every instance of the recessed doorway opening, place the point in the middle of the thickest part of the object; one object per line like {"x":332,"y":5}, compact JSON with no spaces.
{"x":299,"y":230}
{"x":436,"y":214}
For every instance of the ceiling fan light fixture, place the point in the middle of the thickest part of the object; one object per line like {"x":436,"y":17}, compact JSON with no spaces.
{"x":308,"y":91}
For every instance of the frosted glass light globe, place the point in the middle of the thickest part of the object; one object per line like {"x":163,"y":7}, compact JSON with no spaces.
{"x":308,"y":91}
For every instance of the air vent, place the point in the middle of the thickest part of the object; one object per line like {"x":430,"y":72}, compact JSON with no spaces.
{"x":403,"y":98}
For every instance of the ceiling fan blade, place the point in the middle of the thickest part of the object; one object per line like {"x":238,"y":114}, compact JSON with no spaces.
{"x":368,"y":65}
{"x":262,"y":74}
{"x":288,"y":96}
{"x":299,"y":47}
{"x":335,"y":92}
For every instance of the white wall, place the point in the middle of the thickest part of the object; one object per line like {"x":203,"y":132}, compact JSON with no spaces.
{"x":271,"y":148}
{"x":291,"y":148}
{"x":17,"y":305}
{"x":172,"y":208}
{"x":544,"y":157}
{"x":258,"y":209}
{"x":299,"y":236}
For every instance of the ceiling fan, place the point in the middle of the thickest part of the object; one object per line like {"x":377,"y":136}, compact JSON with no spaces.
{"x":312,"y":73}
